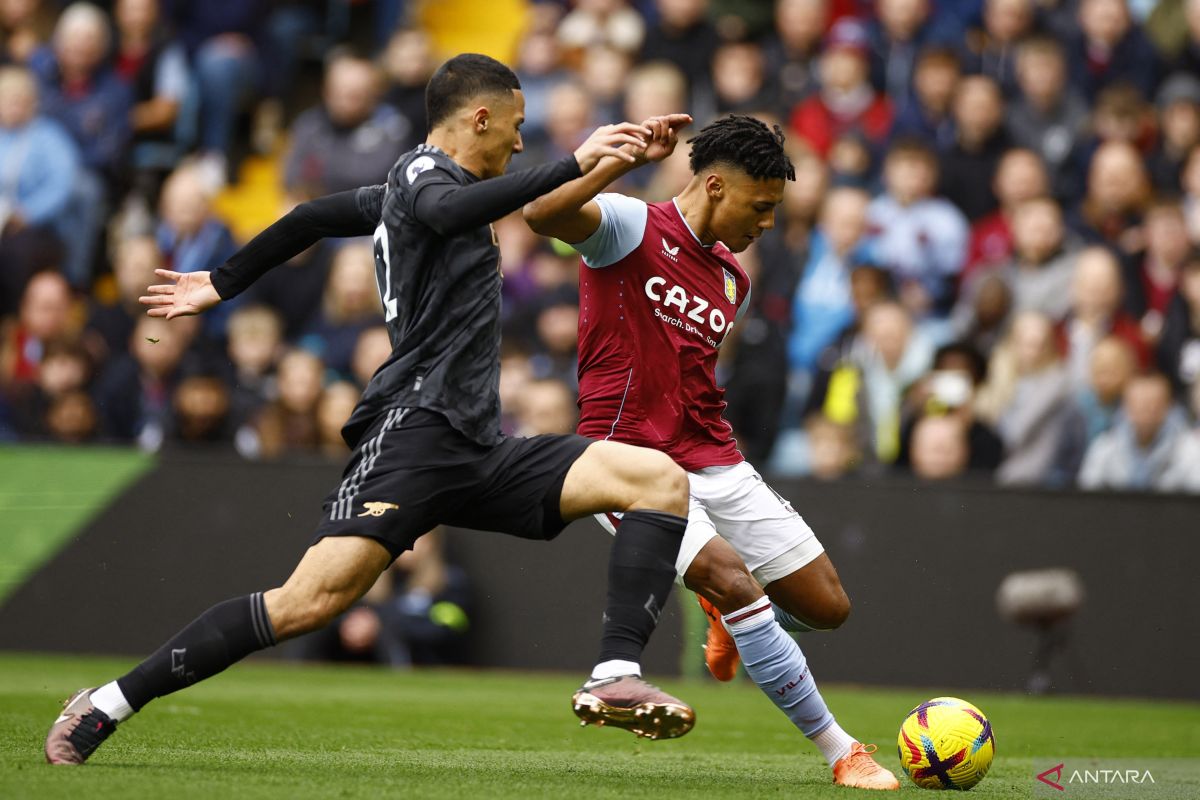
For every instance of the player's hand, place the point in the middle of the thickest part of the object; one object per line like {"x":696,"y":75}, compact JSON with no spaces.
{"x":191,"y":293}
{"x":622,"y":141}
{"x":665,"y":135}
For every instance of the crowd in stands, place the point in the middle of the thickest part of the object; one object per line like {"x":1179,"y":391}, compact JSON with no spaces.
{"x":988,"y":266}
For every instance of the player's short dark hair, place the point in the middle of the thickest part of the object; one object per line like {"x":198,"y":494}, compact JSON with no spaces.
{"x":461,"y":78}
{"x":743,"y":142}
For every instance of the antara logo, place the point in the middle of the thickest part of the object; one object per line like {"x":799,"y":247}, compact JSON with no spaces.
{"x":670,"y":252}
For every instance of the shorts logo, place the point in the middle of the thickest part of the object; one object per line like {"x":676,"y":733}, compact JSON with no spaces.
{"x":374,"y":509}
{"x":730,"y":286}
{"x":670,"y":252}
{"x":418,"y":166}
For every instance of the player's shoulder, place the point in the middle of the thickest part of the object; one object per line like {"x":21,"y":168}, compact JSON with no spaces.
{"x":425,"y":163}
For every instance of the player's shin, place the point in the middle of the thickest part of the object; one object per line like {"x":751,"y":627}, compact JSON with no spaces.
{"x":218,"y":638}
{"x":776,"y":664}
{"x":641,"y":571}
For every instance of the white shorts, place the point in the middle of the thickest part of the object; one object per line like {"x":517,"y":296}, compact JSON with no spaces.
{"x":735,"y":503}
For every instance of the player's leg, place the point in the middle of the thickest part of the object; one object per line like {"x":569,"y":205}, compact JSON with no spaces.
{"x":330,"y":577}
{"x":810,"y":598}
{"x":736,"y":500}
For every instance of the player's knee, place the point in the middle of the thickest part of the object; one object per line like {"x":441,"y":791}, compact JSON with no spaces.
{"x":667,"y":489}
{"x":834,"y":611}
{"x":725,"y":582}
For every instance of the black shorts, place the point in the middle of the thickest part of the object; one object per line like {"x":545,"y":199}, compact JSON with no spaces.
{"x":412,"y":471}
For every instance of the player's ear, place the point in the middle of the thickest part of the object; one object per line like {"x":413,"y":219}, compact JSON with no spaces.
{"x":480,"y":118}
{"x":714,"y":186}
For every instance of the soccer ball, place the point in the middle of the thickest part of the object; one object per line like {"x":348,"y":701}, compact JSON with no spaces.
{"x":946,"y":743}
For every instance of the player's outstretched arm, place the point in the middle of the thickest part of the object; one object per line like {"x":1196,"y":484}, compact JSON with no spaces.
{"x":449,"y":208}
{"x":569,"y":213}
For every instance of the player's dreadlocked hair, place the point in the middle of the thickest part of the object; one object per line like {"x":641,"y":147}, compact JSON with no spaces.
{"x":744,"y":142}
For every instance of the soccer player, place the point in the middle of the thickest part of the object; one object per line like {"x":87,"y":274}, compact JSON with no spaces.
{"x":659,"y":292}
{"x":426,"y":434}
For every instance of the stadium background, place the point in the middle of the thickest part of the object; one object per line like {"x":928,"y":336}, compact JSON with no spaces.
{"x":164,"y":134}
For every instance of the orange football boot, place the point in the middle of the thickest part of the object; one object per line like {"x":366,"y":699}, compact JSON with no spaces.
{"x":720,"y":652}
{"x":858,"y":770}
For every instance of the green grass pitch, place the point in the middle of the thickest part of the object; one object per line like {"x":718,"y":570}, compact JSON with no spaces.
{"x":263,"y":730}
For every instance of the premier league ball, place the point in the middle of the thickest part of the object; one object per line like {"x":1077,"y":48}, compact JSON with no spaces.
{"x":946,"y":743}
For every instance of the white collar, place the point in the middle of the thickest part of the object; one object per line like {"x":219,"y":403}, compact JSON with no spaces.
{"x":678,"y":210}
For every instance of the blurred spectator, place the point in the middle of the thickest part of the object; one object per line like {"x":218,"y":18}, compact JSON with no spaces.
{"x":940,"y":449}
{"x":1188,"y":59}
{"x":333,"y":410}
{"x":408,"y":63}
{"x":1113,"y":365}
{"x":72,"y":418}
{"x":201,"y":406}
{"x":984,"y":307}
{"x":1110,"y":48}
{"x":296,"y":288}
{"x":539,"y":68}
{"x":792,"y":50}
{"x":1179,"y":347}
{"x":23,"y":28}
{"x":372,"y":349}
{"x":568,"y":121}
{"x":1038,"y":277}
{"x":1151,"y":279}
{"x":516,"y":371}
{"x":351,"y":139}
{"x":87,"y":98}
{"x":922,"y":239}
{"x":610,"y":23}
{"x":1048,"y":116}
{"x":65,"y":368}
{"x":224,"y":39}
{"x":682,"y":35}
{"x":739,"y":80}
{"x":1191,"y":196}
{"x":254,"y":346}
{"x":288,"y":425}
{"x":546,"y":405}
{"x":44,"y":316}
{"x":604,"y":72}
{"x":38,"y":169}
{"x":351,"y":306}
{"x":968,"y":166}
{"x":890,"y":356}
{"x":557,"y":336}
{"x":1118,"y":191}
{"x":1179,"y":112}
{"x":134,"y":262}
{"x":899,"y":31}
{"x":134,"y":391}
{"x":1020,"y":176}
{"x":1032,"y":400}
{"x":833,"y":449}
{"x":190,"y":236}
{"x":928,"y":113}
{"x":846,"y":102}
{"x":1148,"y":448}
{"x":655,"y":88}
{"x":822,"y":306}
{"x":993,"y":49}
{"x":949,"y":390}
{"x":415,"y":614}
{"x":154,"y":66}
{"x":1121,"y":114}
{"x":1096,"y":312}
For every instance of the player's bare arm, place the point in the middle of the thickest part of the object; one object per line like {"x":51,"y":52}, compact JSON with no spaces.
{"x":569,"y":212}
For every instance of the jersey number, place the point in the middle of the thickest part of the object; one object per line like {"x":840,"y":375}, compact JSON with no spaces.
{"x":383,"y":273}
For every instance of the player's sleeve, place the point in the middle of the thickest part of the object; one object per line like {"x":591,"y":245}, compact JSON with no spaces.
{"x":352,"y":213}
{"x":622,"y":226}
{"x":450,"y":208}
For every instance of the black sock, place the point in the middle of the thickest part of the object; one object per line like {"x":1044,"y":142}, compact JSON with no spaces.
{"x":641,"y":570}
{"x":218,"y":638}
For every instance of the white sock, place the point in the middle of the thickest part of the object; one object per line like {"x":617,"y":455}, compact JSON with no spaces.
{"x":834,"y":742}
{"x":109,"y":699}
{"x":614,"y":668}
